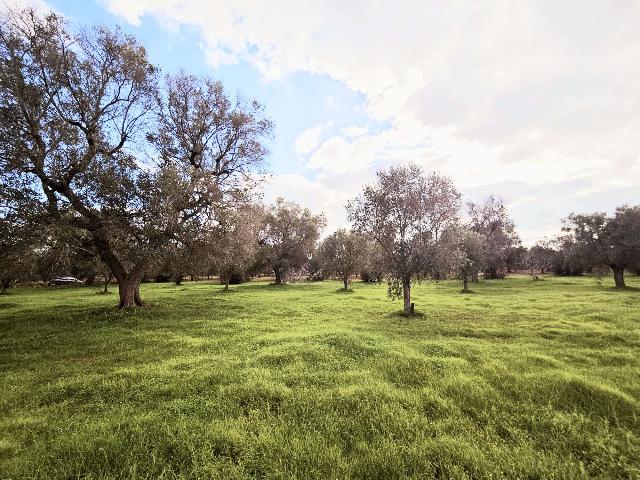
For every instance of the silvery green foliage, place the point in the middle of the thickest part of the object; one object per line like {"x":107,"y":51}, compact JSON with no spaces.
{"x":405,"y":213}
{"x":604,"y":240}
{"x":491,"y":219}
{"x":341,"y":254}
{"x":138,"y":164}
{"x":287,"y":237}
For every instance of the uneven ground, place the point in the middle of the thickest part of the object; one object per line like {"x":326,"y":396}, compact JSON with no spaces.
{"x":520,"y":379}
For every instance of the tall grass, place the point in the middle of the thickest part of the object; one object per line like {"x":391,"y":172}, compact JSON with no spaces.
{"x":522,"y":379}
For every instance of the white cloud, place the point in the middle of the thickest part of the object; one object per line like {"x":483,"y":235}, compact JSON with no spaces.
{"x":309,"y":139}
{"x":536,"y":92}
{"x":38,"y":5}
{"x":353,"y":131}
{"x":317,"y":195}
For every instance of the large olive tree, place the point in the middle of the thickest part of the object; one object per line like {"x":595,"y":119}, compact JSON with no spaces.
{"x":75,"y":110}
{"x":604,"y":240}
{"x":405,"y":212}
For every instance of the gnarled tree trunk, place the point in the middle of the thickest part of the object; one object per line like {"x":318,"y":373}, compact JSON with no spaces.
{"x":279,"y":276}
{"x":345,"y":280}
{"x":5,"y":283}
{"x":618,"y":276}
{"x":128,"y":281}
{"x":129,"y":284}
{"x":129,"y":291}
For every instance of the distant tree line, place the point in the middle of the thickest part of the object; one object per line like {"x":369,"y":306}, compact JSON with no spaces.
{"x":110,"y":170}
{"x":590,"y":242}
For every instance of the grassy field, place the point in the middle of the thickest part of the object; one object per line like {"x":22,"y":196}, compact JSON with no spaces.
{"x":521,"y":379}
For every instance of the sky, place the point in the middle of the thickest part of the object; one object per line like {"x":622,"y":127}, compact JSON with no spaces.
{"x":535,"y":102}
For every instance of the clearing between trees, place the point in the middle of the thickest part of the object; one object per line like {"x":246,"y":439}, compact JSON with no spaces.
{"x":521,"y":378}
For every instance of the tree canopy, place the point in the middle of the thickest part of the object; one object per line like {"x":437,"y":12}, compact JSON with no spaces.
{"x":612,"y":241}
{"x":79,"y":111}
{"x":405,"y":212}
{"x":341,"y":255}
{"x":288,"y":237}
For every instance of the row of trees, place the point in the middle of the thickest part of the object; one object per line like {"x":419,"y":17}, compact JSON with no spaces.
{"x":416,"y":224}
{"x":591,"y":241}
{"x":388,"y":240}
{"x":110,"y":169}
{"x":247,"y":241}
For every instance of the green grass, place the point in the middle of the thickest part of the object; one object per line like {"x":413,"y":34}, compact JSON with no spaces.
{"x":521,"y":379}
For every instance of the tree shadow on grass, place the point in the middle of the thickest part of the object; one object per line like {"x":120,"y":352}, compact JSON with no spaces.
{"x":342,"y":290}
{"x":264,"y":286}
{"x":245,"y":287}
{"x":399,"y":315}
{"x":282,"y":286}
{"x":226,"y":291}
{"x":624,"y":289}
{"x":71,"y":315}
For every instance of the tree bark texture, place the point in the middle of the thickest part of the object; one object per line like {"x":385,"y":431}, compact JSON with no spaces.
{"x":5,"y":284}
{"x":278,"y":273}
{"x":129,"y":290}
{"x":406,"y":295}
{"x":618,"y":276}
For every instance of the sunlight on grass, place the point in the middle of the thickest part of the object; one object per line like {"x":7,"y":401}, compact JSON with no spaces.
{"x":520,"y":379}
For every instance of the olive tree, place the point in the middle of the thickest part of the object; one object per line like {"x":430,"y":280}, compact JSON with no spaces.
{"x":75,"y":110}
{"x":19,"y":232}
{"x":464,"y":253}
{"x":288,"y":237}
{"x":491,"y":219}
{"x":612,"y":241}
{"x":372,"y":269}
{"x":568,"y":259}
{"x":540,"y":257}
{"x":341,"y":255}
{"x":405,"y":212}
{"x":235,"y":242}
{"x":183,"y":259}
